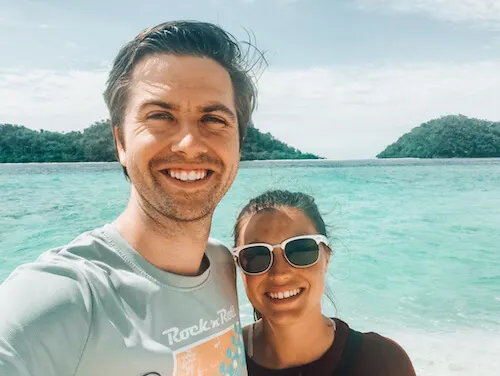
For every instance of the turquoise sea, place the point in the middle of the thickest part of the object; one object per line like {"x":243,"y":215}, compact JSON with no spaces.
{"x":417,"y":241}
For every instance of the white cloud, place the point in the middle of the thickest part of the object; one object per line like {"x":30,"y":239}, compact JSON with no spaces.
{"x":354,"y":112}
{"x":52,"y":100}
{"x":480,"y":11}
{"x":338,"y":112}
{"x":279,"y":2}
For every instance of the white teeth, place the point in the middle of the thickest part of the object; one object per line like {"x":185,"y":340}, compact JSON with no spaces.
{"x":188,"y":175}
{"x":284,"y":295}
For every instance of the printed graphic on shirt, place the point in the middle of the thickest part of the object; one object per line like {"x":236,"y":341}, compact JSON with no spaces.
{"x":222,"y":354}
{"x":177,"y":336}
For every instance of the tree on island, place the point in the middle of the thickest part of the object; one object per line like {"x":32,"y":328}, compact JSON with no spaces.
{"x":259,"y":145}
{"x":453,"y":136}
{"x":19,"y":144}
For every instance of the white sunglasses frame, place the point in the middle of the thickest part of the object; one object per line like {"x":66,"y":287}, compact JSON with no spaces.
{"x":316,"y":237}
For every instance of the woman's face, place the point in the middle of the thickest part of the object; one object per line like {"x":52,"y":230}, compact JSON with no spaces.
{"x":273,"y":227}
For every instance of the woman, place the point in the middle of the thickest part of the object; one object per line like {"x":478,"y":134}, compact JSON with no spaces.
{"x":283,"y":253}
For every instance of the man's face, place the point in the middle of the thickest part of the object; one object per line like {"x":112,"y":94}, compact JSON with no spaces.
{"x":180,"y":135}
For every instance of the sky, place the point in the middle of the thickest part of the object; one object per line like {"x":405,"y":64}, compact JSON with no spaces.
{"x":345,"y":78}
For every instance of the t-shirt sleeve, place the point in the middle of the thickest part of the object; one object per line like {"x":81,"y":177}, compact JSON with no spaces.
{"x":221,"y":255}
{"x":381,"y":356}
{"x":45,"y":313}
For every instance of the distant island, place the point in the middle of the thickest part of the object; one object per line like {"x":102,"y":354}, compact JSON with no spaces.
{"x":19,"y":144}
{"x":453,"y":136}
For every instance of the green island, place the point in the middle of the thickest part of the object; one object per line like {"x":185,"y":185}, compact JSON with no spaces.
{"x":453,"y":136}
{"x":19,"y":144}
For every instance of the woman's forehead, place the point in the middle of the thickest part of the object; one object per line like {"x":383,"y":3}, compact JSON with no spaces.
{"x":274,"y":226}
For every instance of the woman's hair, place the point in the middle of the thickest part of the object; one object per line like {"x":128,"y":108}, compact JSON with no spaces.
{"x":274,"y":200}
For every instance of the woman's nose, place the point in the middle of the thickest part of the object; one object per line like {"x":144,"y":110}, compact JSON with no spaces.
{"x":280,"y":270}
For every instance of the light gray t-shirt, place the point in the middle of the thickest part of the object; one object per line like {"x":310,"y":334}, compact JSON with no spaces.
{"x":97,"y":308}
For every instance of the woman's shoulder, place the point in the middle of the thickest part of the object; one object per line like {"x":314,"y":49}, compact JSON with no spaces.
{"x":376,"y":344}
{"x":247,"y":329}
{"x":380,"y":355}
{"x":247,"y":332}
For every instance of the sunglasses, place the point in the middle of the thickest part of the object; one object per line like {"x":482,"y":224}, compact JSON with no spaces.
{"x":300,"y":252}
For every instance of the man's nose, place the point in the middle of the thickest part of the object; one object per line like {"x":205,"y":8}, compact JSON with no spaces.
{"x":189,"y":140}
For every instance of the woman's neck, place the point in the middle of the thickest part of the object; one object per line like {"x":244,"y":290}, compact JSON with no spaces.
{"x":280,"y":346}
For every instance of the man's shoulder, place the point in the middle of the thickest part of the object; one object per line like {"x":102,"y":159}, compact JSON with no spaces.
{"x":61,"y":269}
{"x":91,"y":250}
{"x":221,"y":259}
{"x":86,"y":245}
{"x":71,"y":262}
{"x":216,"y":248}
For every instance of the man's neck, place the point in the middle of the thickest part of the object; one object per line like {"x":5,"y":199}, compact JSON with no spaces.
{"x":294,"y":344}
{"x":173,"y":246}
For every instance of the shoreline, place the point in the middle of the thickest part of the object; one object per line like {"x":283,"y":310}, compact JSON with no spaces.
{"x":318,"y":161}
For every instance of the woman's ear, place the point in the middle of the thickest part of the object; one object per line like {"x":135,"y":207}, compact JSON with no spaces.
{"x":328,"y":253}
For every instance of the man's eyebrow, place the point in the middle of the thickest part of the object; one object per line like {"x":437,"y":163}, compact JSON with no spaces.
{"x":215,"y":107}
{"x":162,"y":104}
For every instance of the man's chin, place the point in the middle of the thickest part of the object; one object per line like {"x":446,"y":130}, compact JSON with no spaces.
{"x":189,"y":216}
{"x":189,"y":210}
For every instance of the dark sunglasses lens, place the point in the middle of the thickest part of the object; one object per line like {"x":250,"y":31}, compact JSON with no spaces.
{"x":302,"y":252}
{"x":255,"y":259}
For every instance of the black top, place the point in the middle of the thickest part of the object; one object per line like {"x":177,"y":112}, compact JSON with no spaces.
{"x":351,"y":354}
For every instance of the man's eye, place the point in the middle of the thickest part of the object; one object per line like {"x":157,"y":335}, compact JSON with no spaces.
{"x":160,"y":116}
{"x":213,"y":119}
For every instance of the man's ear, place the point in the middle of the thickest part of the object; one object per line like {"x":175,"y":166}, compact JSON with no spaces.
{"x":120,"y":150}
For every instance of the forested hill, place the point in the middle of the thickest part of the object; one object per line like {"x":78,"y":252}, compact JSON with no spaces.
{"x":453,"y":136}
{"x":19,"y":144}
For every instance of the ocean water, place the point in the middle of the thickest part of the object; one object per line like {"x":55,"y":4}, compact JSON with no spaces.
{"x":417,"y":243}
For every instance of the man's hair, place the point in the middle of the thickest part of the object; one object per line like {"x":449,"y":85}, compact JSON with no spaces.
{"x":186,"y":38}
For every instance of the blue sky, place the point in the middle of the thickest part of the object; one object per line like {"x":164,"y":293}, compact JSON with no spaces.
{"x":345,"y":77}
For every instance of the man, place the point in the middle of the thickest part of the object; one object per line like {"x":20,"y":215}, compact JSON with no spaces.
{"x":149,"y":294}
